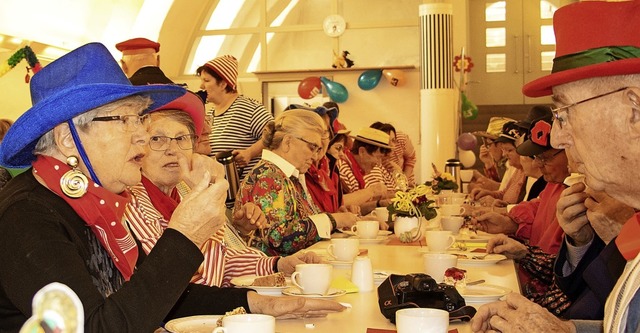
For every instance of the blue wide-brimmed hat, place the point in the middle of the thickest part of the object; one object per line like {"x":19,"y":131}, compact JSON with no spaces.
{"x":82,"y":80}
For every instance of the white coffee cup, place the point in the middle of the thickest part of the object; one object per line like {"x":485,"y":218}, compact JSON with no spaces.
{"x":452,"y":223}
{"x":381,"y":214}
{"x":439,"y":240}
{"x":458,"y":198}
{"x":435,"y":264}
{"x":422,"y":320}
{"x":344,"y":249}
{"x":312,"y":278}
{"x":451,"y":209}
{"x":242,"y":323}
{"x":366,"y":229}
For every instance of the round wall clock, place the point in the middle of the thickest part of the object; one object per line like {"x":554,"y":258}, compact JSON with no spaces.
{"x":334,"y":25}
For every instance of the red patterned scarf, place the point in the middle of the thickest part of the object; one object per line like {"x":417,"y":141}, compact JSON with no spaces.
{"x":628,"y":241}
{"x":100,"y":209}
{"x":163,"y":203}
{"x":355,"y":167}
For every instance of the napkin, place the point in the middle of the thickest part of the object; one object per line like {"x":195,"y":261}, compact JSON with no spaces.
{"x":343,"y":283}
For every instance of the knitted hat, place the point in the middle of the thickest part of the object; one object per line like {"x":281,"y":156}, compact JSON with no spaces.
{"x":227,"y":67}
{"x":138,"y":45}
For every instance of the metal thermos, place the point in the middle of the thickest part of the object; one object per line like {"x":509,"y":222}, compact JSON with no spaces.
{"x":227,"y":160}
{"x":453,"y":167}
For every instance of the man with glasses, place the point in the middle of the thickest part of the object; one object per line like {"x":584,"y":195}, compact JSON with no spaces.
{"x":595,"y":81}
{"x":535,"y":220}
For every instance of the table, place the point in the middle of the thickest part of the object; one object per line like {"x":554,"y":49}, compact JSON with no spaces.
{"x":400,"y":259}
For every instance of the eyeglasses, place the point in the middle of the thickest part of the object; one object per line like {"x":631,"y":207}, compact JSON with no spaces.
{"x":130,"y":121}
{"x":312,"y":146}
{"x":160,"y":143}
{"x":545,"y":160}
{"x":562,"y":119}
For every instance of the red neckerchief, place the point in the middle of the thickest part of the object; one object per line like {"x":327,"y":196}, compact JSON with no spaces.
{"x":628,"y":241}
{"x":355,"y":168}
{"x":100,"y":209}
{"x":163,"y":203}
{"x":321,"y":186}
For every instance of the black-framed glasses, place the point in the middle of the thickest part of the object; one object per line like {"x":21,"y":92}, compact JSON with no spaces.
{"x":130,"y":122}
{"x":312,"y":146}
{"x":160,"y":143}
{"x":559,"y":113}
{"x":546,"y":159}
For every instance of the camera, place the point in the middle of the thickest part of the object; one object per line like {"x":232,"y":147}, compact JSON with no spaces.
{"x":421,"y":291}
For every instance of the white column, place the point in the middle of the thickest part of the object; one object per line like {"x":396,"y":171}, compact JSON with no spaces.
{"x":438,"y":96}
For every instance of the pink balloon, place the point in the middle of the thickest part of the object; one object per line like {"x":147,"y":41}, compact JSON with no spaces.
{"x":467,"y":141}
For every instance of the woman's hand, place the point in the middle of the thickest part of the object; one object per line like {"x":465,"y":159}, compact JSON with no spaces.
{"x":249,"y":217}
{"x":496,"y":223}
{"x":345,"y":220}
{"x":196,"y":168}
{"x":291,"y":307}
{"x":509,"y":247}
{"x":287,"y":264}
{"x":202,"y":211}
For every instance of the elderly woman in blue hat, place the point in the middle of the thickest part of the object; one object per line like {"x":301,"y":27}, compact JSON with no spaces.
{"x":85,"y":139}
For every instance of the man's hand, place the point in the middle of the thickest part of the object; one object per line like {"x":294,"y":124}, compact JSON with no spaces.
{"x":518,"y":314}
{"x":572,"y":214}
{"x":509,"y":247}
{"x":485,"y":156}
{"x":345,"y":220}
{"x":606,"y":214}
{"x":291,"y":307}
{"x":287,"y":264}
{"x":495,"y":223}
{"x":248,"y":218}
{"x":241,"y":157}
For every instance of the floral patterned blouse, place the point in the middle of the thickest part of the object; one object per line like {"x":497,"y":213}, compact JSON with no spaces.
{"x":292,"y":217}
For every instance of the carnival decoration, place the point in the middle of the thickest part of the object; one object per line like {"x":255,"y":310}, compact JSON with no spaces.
{"x":22,"y":53}
{"x":309,"y":87}
{"x":369,"y":79}
{"x":394,"y":76}
{"x":342,"y":60}
{"x":336,"y":91}
{"x":464,"y":64}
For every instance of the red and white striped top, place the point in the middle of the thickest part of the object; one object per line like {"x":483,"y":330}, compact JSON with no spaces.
{"x":221,"y":263}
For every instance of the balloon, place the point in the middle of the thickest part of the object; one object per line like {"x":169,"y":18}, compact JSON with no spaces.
{"x":468,"y":109}
{"x":337,"y":92}
{"x":395,"y":77}
{"x":369,"y":79}
{"x":309,"y":87}
{"x":467,"y":158}
{"x":467,"y":141}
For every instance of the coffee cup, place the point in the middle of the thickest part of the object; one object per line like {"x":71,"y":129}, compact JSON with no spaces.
{"x":458,"y":198}
{"x":366,"y":229}
{"x":381,"y":214}
{"x":344,"y":249}
{"x":451,"y":209}
{"x":259,"y":323}
{"x":452,"y":223}
{"x":439,"y":240}
{"x":435,"y":264}
{"x":312,"y":278}
{"x":422,"y":320}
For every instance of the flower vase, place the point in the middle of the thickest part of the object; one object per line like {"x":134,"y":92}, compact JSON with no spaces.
{"x":407,"y":228}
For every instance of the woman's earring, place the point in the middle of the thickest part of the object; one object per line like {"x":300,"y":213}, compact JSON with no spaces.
{"x":74,"y":183}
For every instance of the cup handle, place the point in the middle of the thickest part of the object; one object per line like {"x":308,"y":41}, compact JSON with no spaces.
{"x":462,"y":210}
{"x":354,"y":228}
{"x":330,"y":251}
{"x":219,"y":330}
{"x":453,"y":240}
{"x":294,"y":280}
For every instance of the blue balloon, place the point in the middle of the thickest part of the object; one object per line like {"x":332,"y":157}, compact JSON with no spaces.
{"x":337,"y":92}
{"x":369,"y":79}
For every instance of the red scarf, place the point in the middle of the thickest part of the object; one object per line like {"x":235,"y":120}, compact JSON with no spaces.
{"x":100,"y":209}
{"x":163,"y":203}
{"x":628,"y":241}
{"x":321,"y":186}
{"x":355,"y":168}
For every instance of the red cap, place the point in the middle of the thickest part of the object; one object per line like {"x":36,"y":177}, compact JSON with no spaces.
{"x":137,"y":44}
{"x":191,"y":104}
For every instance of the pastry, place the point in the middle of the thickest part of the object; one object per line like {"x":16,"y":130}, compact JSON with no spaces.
{"x":455,"y":277}
{"x":273,"y":280}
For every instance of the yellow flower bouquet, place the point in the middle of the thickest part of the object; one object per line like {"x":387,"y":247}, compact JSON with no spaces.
{"x":414,"y":203}
{"x":442,"y":181}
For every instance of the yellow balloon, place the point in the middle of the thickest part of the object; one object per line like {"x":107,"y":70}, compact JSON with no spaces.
{"x":394,"y":76}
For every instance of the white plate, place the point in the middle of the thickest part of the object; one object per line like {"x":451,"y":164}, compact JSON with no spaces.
{"x":376,"y":240}
{"x":193,"y":324}
{"x":295,"y":291}
{"x":483,"y":293}
{"x":380,"y":233}
{"x":478,"y":237}
{"x":468,"y":259}
{"x":246,"y":281}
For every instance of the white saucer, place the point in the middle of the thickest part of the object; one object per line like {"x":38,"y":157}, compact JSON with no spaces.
{"x":340,"y":263}
{"x":295,"y":291}
{"x":195,"y":324}
{"x":483,"y":293}
{"x":247,"y":280}
{"x":376,"y":240}
{"x":380,"y":233}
